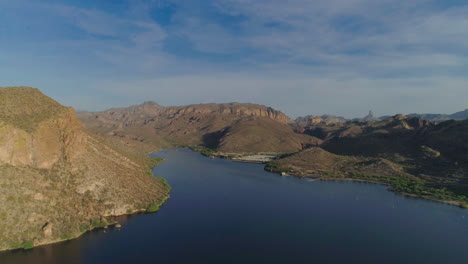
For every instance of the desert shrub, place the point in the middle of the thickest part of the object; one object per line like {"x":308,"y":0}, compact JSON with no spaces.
{"x":98,"y":223}
{"x":24,"y":245}
{"x":84,"y":227}
{"x":274,"y":167}
{"x":28,"y":245}
{"x":166,"y":185}
{"x":152,"y":208}
{"x":67,"y":236}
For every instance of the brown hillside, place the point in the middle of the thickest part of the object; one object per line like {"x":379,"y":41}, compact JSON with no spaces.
{"x":319,"y":162}
{"x":25,"y":107}
{"x":263,"y":135}
{"x":56,"y":181}
{"x":435,"y":153}
{"x":199,"y":125}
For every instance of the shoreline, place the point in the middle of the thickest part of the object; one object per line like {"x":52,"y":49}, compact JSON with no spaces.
{"x":114,"y":223}
{"x":78,"y":235}
{"x":459,"y":204}
{"x":450,"y":202}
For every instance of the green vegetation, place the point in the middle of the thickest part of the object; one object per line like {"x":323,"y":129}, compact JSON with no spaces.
{"x":316,"y":161}
{"x":204,"y":151}
{"x":28,"y":245}
{"x":208,"y":152}
{"x":166,"y":185}
{"x":155,"y":161}
{"x":152,"y":208}
{"x":273,"y":167}
{"x":414,"y":186}
{"x":84,"y":227}
{"x":66,"y":236}
{"x":464,"y":205}
{"x":24,"y":245}
{"x":99,"y":223}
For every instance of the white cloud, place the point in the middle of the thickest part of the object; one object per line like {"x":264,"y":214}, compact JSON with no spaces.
{"x":298,"y":94}
{"x":409,"y":34}
{"x":303,"y":57}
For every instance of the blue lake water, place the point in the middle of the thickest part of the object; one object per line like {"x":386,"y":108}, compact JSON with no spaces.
{"x":228,"y":212}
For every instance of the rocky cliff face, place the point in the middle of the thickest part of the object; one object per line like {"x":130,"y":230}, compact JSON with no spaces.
{"x":152,"y":112}
{"x":190,"y":125}
{"x":56,"y":180}
{"x":58,"y":138}
{"x":313,"y":120}
{"x":37,"y":131}
{"x":231,"y":109}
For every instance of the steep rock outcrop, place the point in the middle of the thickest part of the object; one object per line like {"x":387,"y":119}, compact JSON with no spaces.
{"x":190,"y":125}
{"x":51,"y":140}
{"x":58,"y":181}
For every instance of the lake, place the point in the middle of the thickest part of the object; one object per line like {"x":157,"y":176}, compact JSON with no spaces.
{"x":222,"y":211}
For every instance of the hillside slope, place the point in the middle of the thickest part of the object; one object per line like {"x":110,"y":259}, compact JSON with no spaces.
{"x":261,"y":135}
{"x":434,"y":155}
{"x":232,"y":127}
{"x":56,"y":180}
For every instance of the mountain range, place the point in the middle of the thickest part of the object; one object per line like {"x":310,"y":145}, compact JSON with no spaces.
{"x":372,"y":118}
{"x":232,"y":127}
{"x":415,"y":155}
{"x":442,"y":117}
{"x":63,"y":173}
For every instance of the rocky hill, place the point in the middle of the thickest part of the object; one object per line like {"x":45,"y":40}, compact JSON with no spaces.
{"x":58,"y":181}
{"x":254,"y":135}
{"x":317,"y":162}
{"x":151,"y":112}
{"x":37,"y":131}
{"x":413,"y":155}
{"x":397,"y":123}
{"x":227,"y":127}
{"x":311,"y":120}
{"x":461,"y":115}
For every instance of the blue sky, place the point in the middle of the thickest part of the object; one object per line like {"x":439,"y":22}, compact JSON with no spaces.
{"x":340,"y":57}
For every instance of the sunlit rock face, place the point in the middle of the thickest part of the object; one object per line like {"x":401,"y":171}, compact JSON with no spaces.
{"x":36,"y":131}
{"x":56,"y":179}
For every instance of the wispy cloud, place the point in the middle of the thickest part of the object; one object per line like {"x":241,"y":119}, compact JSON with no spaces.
{"x":344,"y":33}
{"x":302,"y":56}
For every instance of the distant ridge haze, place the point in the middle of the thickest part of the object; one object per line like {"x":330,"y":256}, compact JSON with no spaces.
{"x":152,"y":107}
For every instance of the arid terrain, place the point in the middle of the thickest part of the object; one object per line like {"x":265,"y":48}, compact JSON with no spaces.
{"x":60,"y":178}
{"x":234,"y":127}
{"x":58,"y":181}
{"x":414,"y":155}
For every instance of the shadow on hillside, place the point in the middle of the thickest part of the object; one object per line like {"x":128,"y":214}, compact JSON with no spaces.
{"x":212,"y":140}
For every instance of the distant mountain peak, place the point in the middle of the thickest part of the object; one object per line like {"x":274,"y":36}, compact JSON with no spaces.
{"x":443,"y":117}
{"x":150,"y":103}
{"x":460,"y":115}
{"x":370,"y":117}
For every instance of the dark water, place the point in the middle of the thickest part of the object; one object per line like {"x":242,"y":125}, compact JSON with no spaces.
{"x":228,"y":212}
